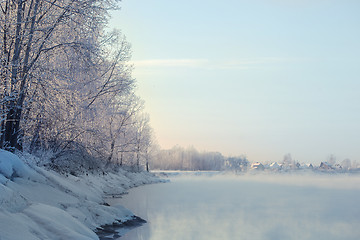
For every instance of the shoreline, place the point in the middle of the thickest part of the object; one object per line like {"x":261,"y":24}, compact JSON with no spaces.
{"x":113,"y":231}
{"x":43,"y":204}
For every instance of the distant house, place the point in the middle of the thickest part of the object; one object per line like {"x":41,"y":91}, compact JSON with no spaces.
{"x":309,"y":166}
{"x":325,"y":166}
{"x":257,"y":166}
{"x":275,"y":166}
{"x":306,"y":166}
{"x":338,"y":167}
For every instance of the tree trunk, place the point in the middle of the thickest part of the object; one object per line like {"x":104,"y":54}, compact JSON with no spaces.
{"x":11,"y":133}
{"x":112,"y":148}
{"x":138,"y":160}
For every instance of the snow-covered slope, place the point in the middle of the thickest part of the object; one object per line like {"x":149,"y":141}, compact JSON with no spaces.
{"x":39,"y":204}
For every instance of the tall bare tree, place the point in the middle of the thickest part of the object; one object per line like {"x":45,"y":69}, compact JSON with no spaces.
{"x":31,"y":32}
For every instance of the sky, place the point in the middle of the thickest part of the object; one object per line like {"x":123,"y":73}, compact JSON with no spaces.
{"x":261,"y":78}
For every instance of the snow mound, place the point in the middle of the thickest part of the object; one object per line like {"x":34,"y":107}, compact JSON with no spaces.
{"x":43,"y":204}
{"x":11,"y":166}
{"x":65,"y":226}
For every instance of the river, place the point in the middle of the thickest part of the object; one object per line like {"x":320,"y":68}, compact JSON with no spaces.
{"x":256,"y":207}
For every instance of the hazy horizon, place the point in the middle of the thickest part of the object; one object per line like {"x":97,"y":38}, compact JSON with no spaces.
{"x":256,"y":78}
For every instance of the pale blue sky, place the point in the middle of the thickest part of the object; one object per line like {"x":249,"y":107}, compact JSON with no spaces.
{"x":262,"y":78}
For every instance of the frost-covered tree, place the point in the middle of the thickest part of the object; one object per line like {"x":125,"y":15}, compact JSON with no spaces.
{"x":142,"y":137}
{"x":34,"y":32}
{"x":288,"y":162}
{"x":346,"y":164}
{"x":179,"y":158}
{"x":66,"y":84}
{"x":331,"y":160}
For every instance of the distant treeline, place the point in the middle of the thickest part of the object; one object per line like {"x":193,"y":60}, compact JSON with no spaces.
{"x":179,"y":158}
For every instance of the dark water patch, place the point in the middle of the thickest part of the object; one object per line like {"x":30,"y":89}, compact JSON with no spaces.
{"x":117,"y":229}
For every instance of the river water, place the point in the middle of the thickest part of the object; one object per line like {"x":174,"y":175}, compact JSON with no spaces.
{"x":263,"y":207}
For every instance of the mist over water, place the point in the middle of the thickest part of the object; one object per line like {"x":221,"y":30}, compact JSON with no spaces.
{"x":264,"y":207}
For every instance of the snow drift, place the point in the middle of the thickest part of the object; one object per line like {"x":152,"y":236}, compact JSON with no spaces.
{"x":40,"y":204}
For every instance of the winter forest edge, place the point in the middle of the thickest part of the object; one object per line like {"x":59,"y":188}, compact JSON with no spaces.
{"x":67,"y":93}
{"x":73,"y":130}
{"x":66,"y":85}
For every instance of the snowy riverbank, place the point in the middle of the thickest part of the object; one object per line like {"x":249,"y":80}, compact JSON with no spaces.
{"x":36,"y":203}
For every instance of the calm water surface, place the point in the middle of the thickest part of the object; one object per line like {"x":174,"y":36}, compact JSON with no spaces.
{"x":240,"y":207}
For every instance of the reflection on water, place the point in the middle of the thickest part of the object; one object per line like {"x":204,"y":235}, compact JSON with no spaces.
{"x":247,"y":208}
